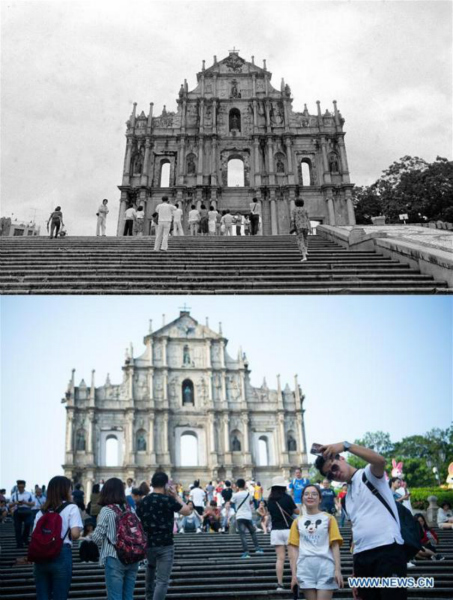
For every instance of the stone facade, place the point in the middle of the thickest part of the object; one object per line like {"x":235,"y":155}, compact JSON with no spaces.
{"x":184,"y":384}
{"x":235,"y":113}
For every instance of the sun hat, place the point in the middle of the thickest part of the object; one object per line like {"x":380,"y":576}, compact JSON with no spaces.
{"x":278,"y":481}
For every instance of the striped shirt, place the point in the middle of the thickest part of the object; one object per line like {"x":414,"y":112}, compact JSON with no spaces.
{"x":105,"y":533}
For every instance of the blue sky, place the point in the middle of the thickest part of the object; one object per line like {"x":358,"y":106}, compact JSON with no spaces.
{"x":364,"y":364}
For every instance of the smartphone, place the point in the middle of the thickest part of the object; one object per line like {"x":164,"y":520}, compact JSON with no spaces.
{"x":316,"y":449}
{"x":295,"y":592}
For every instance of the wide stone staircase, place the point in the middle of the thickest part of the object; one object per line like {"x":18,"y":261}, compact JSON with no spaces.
{"x":201,"y":265}
{"x":208,"y":566}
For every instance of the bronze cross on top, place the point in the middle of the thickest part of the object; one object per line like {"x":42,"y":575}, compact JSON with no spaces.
{"x":184,"y":308}
{"x":234,"y":51}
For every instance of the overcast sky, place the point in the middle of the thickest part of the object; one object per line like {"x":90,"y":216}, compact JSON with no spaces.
{"x":364,"y":363}
{"x":71,"y":71}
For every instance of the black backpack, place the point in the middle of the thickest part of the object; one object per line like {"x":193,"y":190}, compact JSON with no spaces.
{"x":410,"y":530}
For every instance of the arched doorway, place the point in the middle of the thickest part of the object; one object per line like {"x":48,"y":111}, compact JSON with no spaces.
{"x":263,"y":451}
{"x":111,"y":451}
{"x":305,"y":167}
{"x":165,"y":174}
{"x":236,"y":173}
{"x":189,"y":449}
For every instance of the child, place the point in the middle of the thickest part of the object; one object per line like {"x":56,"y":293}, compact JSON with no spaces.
{"x":88,"y":550}
{"x":314,"y":544}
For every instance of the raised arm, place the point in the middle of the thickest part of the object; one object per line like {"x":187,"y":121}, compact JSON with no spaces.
{"x":376,"y":461}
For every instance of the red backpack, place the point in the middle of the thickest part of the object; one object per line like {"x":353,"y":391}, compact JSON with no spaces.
{"x":46,"y":541}
{"x":131,"y":540}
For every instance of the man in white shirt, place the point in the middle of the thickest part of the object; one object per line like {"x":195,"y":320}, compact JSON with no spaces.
{"x":129,"y":218}
{"x":177,"y":221}
{"x":228,"y":220}
{"x":22,"y":503}
{"x":243,"y":502}
{"x":378,"y":544}
{"x":39,"y":499}
{"x":165,"y":210}
{"x":198,"y":497}
{"x":194,"y":218}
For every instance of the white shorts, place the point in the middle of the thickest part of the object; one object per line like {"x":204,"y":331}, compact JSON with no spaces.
{"x":316,"y":573}
{"x":279,"y":537}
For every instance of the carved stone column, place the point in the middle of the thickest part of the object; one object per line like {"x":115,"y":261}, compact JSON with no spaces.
{"x":182,"y":159}
{"x":274,"y":220}
{"x":289,"y":155}
{"x":325,"y":161}
{"x":330,"y":209}
{"x":69,"y":430}
{"x":144,"y":177}
{"x":127,"y":159}
{"x":350,"y":207}
{"x":151,"y":443}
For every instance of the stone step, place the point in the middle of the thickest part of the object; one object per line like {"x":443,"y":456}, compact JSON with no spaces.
{"x":202,"y":265}
{"x":203,"y":569}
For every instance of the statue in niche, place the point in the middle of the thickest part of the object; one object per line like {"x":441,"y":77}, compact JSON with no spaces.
{"x":141,"y":442}
{"x":333,"y":160}
{"x":287,"y":91}
{"x":234,"y":122}
{"x":187,"y":394}
{"x":276,"y":115}
{"x":235,"y":93}
{"x":191,"y":169}
{"x":292,"y":446}
{"x":81,"y":441}
{"x":280,"y":166}
{"x":235,"y":444}
{"x":138,"y":162}
{"x":186,"y":356}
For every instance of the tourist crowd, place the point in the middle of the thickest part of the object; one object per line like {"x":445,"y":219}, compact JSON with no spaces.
{"x":203,"y":220}
{"x":123,"y":526}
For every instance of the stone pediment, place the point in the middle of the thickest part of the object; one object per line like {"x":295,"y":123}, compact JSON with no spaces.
{"x":186,"y":327}
{"x":233,"y":64}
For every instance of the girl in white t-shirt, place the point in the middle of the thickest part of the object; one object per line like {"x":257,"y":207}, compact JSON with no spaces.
{"x":53,"y":577}
{"x":314,"y":545}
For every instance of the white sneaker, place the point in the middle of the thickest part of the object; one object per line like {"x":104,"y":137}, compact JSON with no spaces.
{"x":198,"y":530}
{"x":181,"y":531}
{"x":411,"y":565}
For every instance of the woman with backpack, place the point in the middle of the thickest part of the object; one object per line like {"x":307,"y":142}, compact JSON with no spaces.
{"x":281,"y":509}
{"x":56,"y":525}
{"x":122,"y":541}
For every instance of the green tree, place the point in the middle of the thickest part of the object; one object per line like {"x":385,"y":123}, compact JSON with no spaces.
{"x":409,"y":186}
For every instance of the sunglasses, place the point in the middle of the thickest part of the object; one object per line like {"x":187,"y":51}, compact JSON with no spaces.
{"x":334,"y":470}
